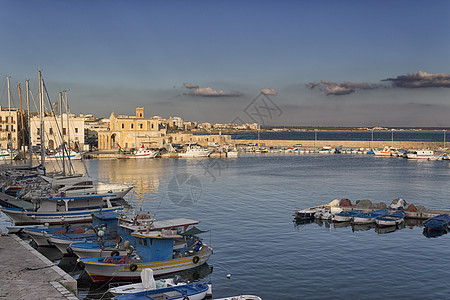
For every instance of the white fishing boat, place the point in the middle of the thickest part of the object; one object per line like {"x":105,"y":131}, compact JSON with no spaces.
{"x":386,"y":151}
{"x":60,"y":155}
{"x":59,"y":210}
{"x":191,"y":291}
{"x":195,"y":150}
{"x":140,"y":153}
{"x":7,"y":155}
{"x":77,"y":185}
{"x":149,"y":283}
{"x":424,"y":154}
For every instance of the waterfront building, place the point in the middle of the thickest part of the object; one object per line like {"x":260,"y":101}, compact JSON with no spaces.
{"x":9,"y":128}
{"x":132,"y":132}
{"x":55,"y":129}
{"x":201,"y":139}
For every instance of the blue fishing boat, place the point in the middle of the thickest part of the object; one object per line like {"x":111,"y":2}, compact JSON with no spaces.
{"x":439,"y":222}
{"x":394,"y":218}
{"x":346,"y":216}
{"x":104,"y":226}
{"x":40,"y":235}
{"x":165,"y":251}
{"x":369,"y":217}
{"x":191,"y":291}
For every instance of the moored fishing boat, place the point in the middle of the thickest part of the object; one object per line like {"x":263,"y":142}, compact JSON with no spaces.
{"x":154,"y":249}
{"x":386,"y":151}
{"x":191,"y":291}
{"x":305,"y":213}
{"x":194,"y":150}
{"x":439,"y":222}
{"x":369,"y":217}
{"x":424,"y":154}
{"x":394,"y":218}
{"x":60,"y":210}
{"x":139,"y":154}
{"x":346,"y":216}
{"x":60,"y":155}
{"x":40,"y":235}
{"x":149,"y":283}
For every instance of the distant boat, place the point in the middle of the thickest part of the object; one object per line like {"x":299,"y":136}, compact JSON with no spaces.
{"x":140,"y":153}
{"x":386,"y":151}
{"x":194,"y":150}
{"x":424,"y":154}
{"x":369,"y":217}
{"x":391,"y":219}
{"x":305,"y":214}
{"x":439,"y":222}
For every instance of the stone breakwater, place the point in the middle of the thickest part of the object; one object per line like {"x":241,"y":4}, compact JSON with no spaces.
{"x":344,"y":144}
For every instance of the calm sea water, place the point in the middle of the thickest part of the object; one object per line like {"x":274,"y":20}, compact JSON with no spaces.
{"x":247,"y":204}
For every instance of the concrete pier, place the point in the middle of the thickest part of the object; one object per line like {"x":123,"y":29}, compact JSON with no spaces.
{"x":344,"y":144}
{"x":27,"y":274}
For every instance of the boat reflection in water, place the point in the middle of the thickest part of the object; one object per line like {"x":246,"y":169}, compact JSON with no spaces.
{"x":300,"y":222}
{"x":363,"y":227}
{"x":434,"y":233}
{"x":389,"y":229}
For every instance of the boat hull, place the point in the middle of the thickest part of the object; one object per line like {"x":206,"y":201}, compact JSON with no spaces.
{"x":24,"y":217}
{"x":100,"y":271}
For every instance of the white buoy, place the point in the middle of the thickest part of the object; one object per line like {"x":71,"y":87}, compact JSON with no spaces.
{"x":228,"y":276}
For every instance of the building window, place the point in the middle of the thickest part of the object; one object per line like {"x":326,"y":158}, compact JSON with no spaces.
{"x":50,"y":130}
{"x":64,"y":131}
{"x":76,"y":130}
{"x":38,"y":131}
{"x":141,"y":126}
{"x":123,"y":126}
{"x":152,"y":126}
{"x":131,"y":126}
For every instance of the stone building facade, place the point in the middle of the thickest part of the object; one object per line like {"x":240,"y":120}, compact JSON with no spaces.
{"x":132,"y":132}
{"x":9,"y":128}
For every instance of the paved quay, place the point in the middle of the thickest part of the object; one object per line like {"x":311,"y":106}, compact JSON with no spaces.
{"x":27,"y":274}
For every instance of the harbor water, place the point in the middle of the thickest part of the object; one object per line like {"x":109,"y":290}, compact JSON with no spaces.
{"x":247,"y":203}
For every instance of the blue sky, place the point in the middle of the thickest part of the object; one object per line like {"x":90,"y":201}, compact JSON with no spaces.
{"x":341,"y":63}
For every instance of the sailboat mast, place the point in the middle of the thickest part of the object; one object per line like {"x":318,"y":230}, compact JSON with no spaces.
{"x":68,"y":133}
{"x":41,"y":117}
{"x":63,"y":145}
{"x":28,"y":121}
{"x":9,"y":120}
{"x":22,"y":144}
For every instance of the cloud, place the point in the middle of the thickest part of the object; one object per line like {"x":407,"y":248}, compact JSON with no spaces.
{"x":312,"y":85}
{"x":209,"y":92}
{"x":338,"y":90}
{"x":345,"y":88}
{"x":421,"y":79}
{"x":268,"y":91}
{"x":190,"y":86}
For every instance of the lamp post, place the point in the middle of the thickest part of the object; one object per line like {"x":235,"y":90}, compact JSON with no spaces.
{"x":315,"y":138}
{"x":444,"y":138}
{"x":371,"y":144}
{"x":392,"y":138}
